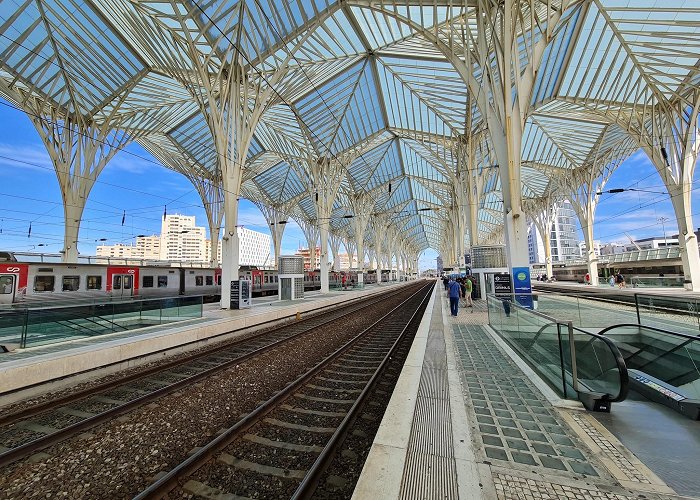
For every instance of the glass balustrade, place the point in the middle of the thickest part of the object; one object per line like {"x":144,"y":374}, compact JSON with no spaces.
{"x":29,"y":327}
{"x":569,"y":359}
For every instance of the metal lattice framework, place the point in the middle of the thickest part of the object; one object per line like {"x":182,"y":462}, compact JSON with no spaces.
{"x":360,"y":115}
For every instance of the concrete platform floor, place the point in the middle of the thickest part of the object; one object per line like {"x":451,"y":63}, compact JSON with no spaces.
{"x":509,"y":436}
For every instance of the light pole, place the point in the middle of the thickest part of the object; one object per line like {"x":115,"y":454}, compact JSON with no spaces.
{"x":663,"y":228}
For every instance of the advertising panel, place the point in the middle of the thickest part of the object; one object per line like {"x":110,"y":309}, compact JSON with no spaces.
{"x":522,"y":286}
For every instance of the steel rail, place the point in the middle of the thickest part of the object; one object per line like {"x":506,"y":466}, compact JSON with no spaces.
{"x":308,"y":485}
{"x":29,"y":448}
{"x":171,"y":479}
{"x":47,"y":405}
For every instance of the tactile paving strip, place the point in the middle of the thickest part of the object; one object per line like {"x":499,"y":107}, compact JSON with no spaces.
{"x":517,"y":425}
{"x":429,"y":471}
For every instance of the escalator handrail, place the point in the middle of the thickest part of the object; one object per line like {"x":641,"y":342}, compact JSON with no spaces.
{"x":619,"y":361}
{"x":661,"y":330}
{"x":617,"y":355}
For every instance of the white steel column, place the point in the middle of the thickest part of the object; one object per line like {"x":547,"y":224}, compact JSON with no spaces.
{"x":335,"y":242}
{"x":350,"y":249}
{"x":584,"y":183}
{"x":675,"y":159}
{"x":276,"y":218}
{"x":79,"y":149}
{"x":326,"y":175}
{"x":311,"y":232}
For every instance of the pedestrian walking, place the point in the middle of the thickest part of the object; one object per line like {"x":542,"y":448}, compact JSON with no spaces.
{"x":468,"y":292}
{"x":454,"y":292}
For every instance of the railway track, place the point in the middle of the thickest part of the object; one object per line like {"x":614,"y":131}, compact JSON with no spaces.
{"x":27,"y":431}
{"x":283,"y":448}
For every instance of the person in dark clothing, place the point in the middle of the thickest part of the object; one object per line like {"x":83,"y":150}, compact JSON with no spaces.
{"x":455,"y":292}
{"x":445,"y":282}
{"x":506,"y":306}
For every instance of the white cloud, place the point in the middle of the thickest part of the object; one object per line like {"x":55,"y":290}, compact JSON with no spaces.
{"x":34,"y":158}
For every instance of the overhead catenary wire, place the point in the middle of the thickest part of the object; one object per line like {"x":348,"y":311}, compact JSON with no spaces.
{"x":266,"y":16}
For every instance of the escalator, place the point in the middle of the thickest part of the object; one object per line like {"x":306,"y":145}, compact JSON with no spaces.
{"x":664,"y":366}
{"x":634,"y":366}
{"x":575,"y":363}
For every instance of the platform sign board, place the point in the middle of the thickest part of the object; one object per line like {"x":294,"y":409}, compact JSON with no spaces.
{"x":522,"y":286}
{"x":502,"y":285}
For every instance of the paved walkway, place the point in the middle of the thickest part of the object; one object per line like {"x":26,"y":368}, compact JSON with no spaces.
{"x":528,"y":444}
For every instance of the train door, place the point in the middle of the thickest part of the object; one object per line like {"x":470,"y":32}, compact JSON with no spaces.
{"x":7,"y":288}
{"x":122,"y":281}
{"x":257,"y":280}
{"x":122,"y":285}
{"x":13,"y":282}
{"x":181,"y":289}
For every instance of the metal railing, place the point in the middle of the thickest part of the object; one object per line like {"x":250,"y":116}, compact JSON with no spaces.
{"x":56,"y":258}
{"x":672,"y":357}
{"x":662,"y":253}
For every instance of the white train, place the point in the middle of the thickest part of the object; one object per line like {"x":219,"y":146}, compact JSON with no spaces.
{"x":42,"y":278}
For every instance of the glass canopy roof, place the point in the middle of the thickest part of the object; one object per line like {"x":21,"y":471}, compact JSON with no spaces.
{"x":375,"y":87}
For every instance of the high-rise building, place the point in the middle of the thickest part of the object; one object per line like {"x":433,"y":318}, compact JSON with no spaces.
{"x":255,"y":249}
{"x":218,"y":251}
{"x":181,"y":240}
{"x":563,"y":240}
{"x":148,"y":247}
{"x":306,"y":253}
{"x":535,"y":245}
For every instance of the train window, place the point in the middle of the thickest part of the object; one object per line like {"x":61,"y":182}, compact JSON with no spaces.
{"x":117,"y":283}
{"x":127,"y":282}
{"x":147,"y":282}
{"x":275,"y":278}
{"x":199,"y":281}
{"x":70,"y":283}
{"x":6,"y":285}
{"x":267,"y":279}
{"x":209,"y":280}
{"x":44,"y":283}
{"x":218,"y":280}
{"x":94,"y":282}
{"x":162,"y":281}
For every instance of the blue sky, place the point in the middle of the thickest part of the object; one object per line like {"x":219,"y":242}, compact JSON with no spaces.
{"x":137,"y":184}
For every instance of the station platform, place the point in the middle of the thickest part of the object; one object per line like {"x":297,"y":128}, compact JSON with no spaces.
{"x":34,"y":367}
{"x":468,"y":419}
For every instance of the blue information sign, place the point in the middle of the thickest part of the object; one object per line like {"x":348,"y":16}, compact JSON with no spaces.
{"x":522,"y":288}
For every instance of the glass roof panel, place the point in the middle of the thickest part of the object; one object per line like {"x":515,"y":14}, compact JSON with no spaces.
{"x":62,"y":62}
{"x":405,"y":109}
